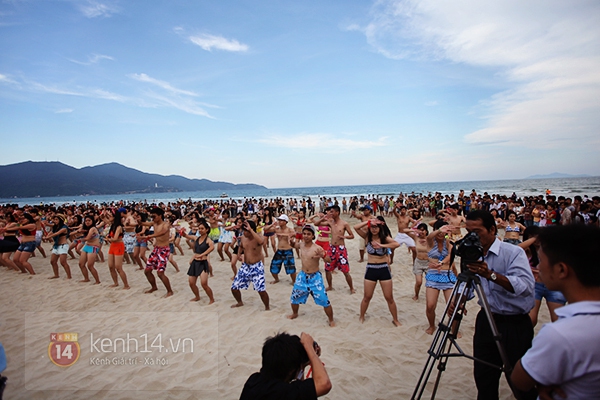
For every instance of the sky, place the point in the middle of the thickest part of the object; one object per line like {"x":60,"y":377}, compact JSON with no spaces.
{"x":300,"y":94}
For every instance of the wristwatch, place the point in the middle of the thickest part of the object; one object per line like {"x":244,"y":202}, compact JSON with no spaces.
{"x":493,"y":276}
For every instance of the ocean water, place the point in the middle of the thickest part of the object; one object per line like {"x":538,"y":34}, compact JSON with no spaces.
{"x":567,"y":187}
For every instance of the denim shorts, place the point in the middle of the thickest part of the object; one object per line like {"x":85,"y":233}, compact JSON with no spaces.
{"x":27,"y":247}
{"x":552,"y":296}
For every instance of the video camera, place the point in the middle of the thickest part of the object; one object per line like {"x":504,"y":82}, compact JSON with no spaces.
{"x":469,"y":249}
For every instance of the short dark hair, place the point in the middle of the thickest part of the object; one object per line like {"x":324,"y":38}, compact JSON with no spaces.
{"x":487,"y":219}
{"x":575,"y":245}
{"x":282,"y":356}
{"x":334,"y":208}
{"x":158,"y":211}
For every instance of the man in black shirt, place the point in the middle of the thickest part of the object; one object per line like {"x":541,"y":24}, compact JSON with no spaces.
{"x":283,"y":359}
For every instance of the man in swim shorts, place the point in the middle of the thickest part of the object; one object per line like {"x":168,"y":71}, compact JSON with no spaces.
{"x":310,"y":280}
{"x":252,"y":268}
{"x":337,"y":254}
{"x":404,"y":222}
{"x":160,"y":255}
{"x":284,"y":254}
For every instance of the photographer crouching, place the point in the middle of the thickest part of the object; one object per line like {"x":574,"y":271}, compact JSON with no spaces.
{"x":508,"y":284}
{"x":281,"y":376}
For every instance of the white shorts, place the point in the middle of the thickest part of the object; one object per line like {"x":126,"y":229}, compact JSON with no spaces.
{"x":60,"y":249}
{"x":403,"y":238}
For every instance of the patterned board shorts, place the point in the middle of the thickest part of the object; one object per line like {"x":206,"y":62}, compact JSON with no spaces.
{"x":158,"y":258}
{"x":339,"y":259}
{"x":250,"y":272}
{"x":285,"y":257}
{"x":309,"y":284}
{"x":129,"y":240}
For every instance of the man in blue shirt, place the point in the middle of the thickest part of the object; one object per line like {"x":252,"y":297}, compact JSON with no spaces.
{"x":508,"y":284}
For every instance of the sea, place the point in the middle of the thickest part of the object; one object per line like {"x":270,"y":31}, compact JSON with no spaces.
{"x":567,"y":187}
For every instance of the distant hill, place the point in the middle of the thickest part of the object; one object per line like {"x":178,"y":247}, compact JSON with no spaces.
{"x":556,"y":175}
{"x":47,"y":179}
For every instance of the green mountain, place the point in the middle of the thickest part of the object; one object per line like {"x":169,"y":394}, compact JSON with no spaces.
{"x":46,"y":179}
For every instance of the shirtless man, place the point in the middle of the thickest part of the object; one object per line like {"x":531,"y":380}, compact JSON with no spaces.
{"x":310,"y":280}
{"x":404,"y":222}
{"x":252,"y":268}
{"x":284,"y":254}
{"x":129,"y":225}
{"x":160,"y":255}
{"x":455,"y":221}
{"x":365,"y":215}
{"x":337,"y":254}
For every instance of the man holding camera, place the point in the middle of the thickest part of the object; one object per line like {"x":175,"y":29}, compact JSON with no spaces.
{"x":281,"y":376}
{"x":508,"y":284}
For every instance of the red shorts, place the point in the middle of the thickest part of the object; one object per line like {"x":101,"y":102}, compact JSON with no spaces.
{"x":158,"y":258}
{"x":324,"y":245}
{"x":117,"y":248}
{"x":339,"y":259}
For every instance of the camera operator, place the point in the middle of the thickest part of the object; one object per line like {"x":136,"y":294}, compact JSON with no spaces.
{"x":509,"y":287}
{"x":284,"y":357}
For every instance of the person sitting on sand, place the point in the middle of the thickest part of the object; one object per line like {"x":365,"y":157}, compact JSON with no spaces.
{"x":252,"y":268}
{"x":283,"y":359}
{"x":309,"y":279}
{"x":203,"y":246}
{"x":160,"y":255}
{"x":378,"y":240}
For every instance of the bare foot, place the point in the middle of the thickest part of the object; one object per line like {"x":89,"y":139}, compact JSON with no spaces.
{"x":361,"y":260}
{"x":232,"y":278}
{"x":153,"y":289}
{"x":361,"y":319}
{"x":327,"y":289}
{"x":54,"y":277}
{"x":331,"y":323}
{"x":211,"y":301}
{"x":126,"y":287}
{"x":459,"y":335}
{"x":222,"y":259}
{"x":430,"y":330}
{"x":169,"y":294}
{"x":352,"y":290}
{"x":211,"y":274}
{"x":267,"y":308}
{"x":97,"y":283}
{"x":415,"y":298}
{"x":114,"y":285}
{"x":274,"y":282}
{"x":292,"y":316}
{"x":195,"y":299}
{"x":396,"y":323}
{"x":84,"y":280}
{"x":237,"y":305}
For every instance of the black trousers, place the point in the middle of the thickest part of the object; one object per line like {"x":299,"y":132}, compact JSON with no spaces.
{"x":516,"y":333}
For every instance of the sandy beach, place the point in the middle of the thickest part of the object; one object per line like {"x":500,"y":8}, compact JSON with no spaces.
{"x":374,"y":360}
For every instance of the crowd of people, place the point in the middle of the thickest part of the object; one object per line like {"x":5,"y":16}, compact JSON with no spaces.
{"x":243,"y":231}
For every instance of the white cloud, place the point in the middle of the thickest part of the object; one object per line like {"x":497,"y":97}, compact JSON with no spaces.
{"x":209,"y":42}
{"x":94,"y":9}
{"x":92,"y":59}
{"x":165,"y":85}
{"x":546,"y":50}
{"x":6,"y":79}
{"x":321,"y":142}
{"x":64,"y":111}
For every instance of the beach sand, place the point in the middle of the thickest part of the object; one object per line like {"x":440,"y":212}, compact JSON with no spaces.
{"x":374,"y":360}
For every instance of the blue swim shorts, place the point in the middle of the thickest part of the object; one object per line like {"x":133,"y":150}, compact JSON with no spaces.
{"x":250,"y":272}
{"x":309,"y":284}
{"x":285,"y":257}
{"x":552,"y":296}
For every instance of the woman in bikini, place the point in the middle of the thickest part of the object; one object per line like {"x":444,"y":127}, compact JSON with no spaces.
{"x":441,"y":276}
{"x":116,"y":249}
{"x":60,"y":248}
{"x":513,"y":230}
{"x":268,"y":220}
{"x":141,"y":243}
{"x":9,"y":244}
{"x":225,"y":236}
{"x":299,"y":220}
{"x":27,"y":229}
{"x":203,"y":246}
{"x":378,"y":243}
{"x":91,"y":237}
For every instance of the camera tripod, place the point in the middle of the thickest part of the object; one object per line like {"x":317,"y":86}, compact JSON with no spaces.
{"x":445,"y":336}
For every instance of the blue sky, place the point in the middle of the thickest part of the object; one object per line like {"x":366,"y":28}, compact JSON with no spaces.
{"x":311,"y":93}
